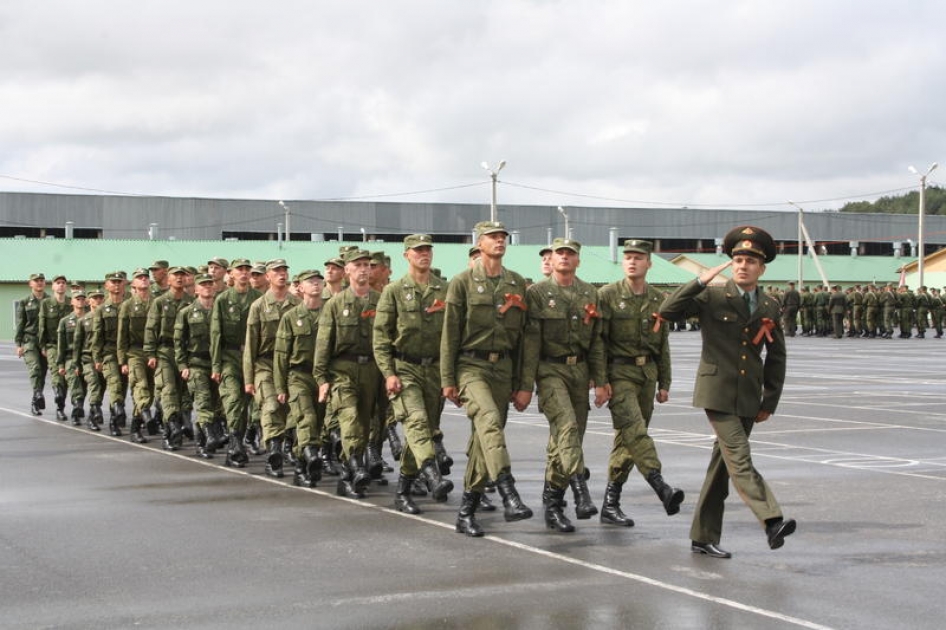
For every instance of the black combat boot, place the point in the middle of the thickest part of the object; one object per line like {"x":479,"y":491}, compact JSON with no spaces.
{"x":118,"y":408}
{"x":135,"y":432}
{"x":151,"y":423}
{"x":60,"y":396}
{"x":394,"y":441}
{"x":236,"y":454}
{"x":584,"y":506}
{"x":360,"y":478}
{"x":95,"y":417}
{"x":289,"y":443}
{"x":419,"y":487}
{"x":329,"y":461}
{"x":438,"y":486}
{"x":251,"y":440}
{"x":375,"y":466}
{"x":555,"y":519}
{"x":167,"y":443}
{"x":187,"y":425}
{"x":313,"y":464}
{"x":217,"y":432}
{"x":275,"y":459}
{"x":444,"y":461}
{"x":299,"y":475}
{"x":113,"y":427}
{"x":203,"y":442}
{"x":77,"y":415}
{"x":37,"y":403}
{"x":174,"y":432}
{"x":403,"y":501}
{"x":611,"y":513}
{"x":670,"y":497}
{"x":346,"y":484}
{"x":515,"y":509}
{"x":466,"y":517}
{"x":486,"y":504}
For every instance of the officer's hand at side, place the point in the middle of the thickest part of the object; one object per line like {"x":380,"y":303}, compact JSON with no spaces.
{"x":762,"y":416}
{"x":662,"y":396}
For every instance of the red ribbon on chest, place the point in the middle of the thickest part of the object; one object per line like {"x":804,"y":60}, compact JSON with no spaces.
{"x":765,"y":329}
{"x":512,"y":300}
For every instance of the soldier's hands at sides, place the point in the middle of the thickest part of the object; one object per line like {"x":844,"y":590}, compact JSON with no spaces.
{"x":20,"y":351}
{"x":125,"y":369}
{"x":250,"y":389}
{"x":662,"y":396}
{"x":152,"y":363}
{"x":762,"y":416}
{"x":709,"y":274}
{"x":62,"y":371}
{"x":521,"y":400}
{"x":451,"y":394}
{"x":216,"y":376}
{"x":392,"y":385}
{"x":282,"y":398}
{"x":186,"y":374}
{"x":98,"y":367}
{"x":323,"y":392}
{"x":602,"y":394}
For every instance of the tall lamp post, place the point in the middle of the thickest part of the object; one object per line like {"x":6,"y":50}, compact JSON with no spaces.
{"x":568,"y":231}
{"x":801,"y":246}
{"x":286,"y":208}
{"x":922,"y":213}
{"x":493,"y":173}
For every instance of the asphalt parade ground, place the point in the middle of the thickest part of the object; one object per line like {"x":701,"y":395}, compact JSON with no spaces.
{"x":96,"y":532}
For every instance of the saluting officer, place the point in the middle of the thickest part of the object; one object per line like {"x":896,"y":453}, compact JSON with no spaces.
{"x":480,"y":357}
{"x":739,"y":382}
{"x":637,"y":343}
{"x":406,"y":338}
{"x":562,"y":353}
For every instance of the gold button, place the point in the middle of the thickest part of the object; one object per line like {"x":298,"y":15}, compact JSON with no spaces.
{"x":742,"y":372}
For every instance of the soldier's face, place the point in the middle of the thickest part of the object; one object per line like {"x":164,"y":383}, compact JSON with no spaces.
{"x":177,"y":280}
{"x":312,"y":287}
{"x":217,"y":271}
{"x":78,"y":304}
{"x":636,"y":265}
{"x":141,"y":282}
{"x":159,"y":274}
{"x":565,"y":260}
{"x":59,"y":286}
{"x":359,"y":271}
{"x":240,"y":275}
{"x":205,"y":289}
{"x":258,"y":281}
{"x":334,"y":273}
{"x":278,"y":277}
{"x":746,"y":271}
{"x":115,"y":286}
{"x":493,"y":245}
{"x":420,"y":257}
{"x":96,"y":302}
{"x":546,"y":265}
{"x":38,"y":285}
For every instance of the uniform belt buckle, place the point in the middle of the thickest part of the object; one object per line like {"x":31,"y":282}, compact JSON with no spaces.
{"x":493,"y":357}
{"x":640,"y":361}
{"x":362,"y":359}
{"x":427,"y":361}
{"x":571,"y":360}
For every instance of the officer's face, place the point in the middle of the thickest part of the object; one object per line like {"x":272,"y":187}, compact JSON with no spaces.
{"x":565,"y":260}
{"x":636,"y":265}
{"x":420,"y":257}
{"x":746,"y":271}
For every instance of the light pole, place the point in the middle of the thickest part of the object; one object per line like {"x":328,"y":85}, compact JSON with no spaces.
{"x":286,"y":208}
{"x":493,"y":173}
{"x":801,"y":247}
{"x":568,"y":232}
{"x":922,"y":212}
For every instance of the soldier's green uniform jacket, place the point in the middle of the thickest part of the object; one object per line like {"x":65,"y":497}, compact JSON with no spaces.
{"x":628,"y":328}
{"x":51,"y":313}
{"x":734,"y":376}
{"x":65,"y":342}
{"x":409,"y":322}
{"x":82,"y":343}
{"x":261,"y":324}
{"x":563,"y":322}
{"x":295,"y":344}
{"x":27,"y":319}
{"x":192,"y":337}
{"x":105,"y":332}
{"x":483,"y":317}
{"x":344,"y":330}
{"x":132,"y":317}
{"x":228,"y":324}
{"x":159,"y":327}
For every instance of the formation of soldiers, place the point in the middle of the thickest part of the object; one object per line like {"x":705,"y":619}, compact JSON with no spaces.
{"x":865,"y":311}
{"x":319,"y":370}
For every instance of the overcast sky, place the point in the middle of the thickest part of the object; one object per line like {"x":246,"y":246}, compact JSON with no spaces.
{"x":610,"y":103}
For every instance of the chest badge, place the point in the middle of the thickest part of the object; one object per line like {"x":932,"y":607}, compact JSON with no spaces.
{"x":299,"y":323}
{"x":622,"y":305}
{"x":346,"y":313}
{"x":480,"y":289}
{"x":551,"y":303}
{"x":409,"y":297}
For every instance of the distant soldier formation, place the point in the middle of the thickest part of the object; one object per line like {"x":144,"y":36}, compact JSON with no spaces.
{"x":314,"y":372}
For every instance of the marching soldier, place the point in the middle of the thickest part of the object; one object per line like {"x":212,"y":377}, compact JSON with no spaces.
{"x":871,"y":312}
{"x":562,"y":353}
{"x":407,"y":332}
{"x":736,"y":385}
{"x":261,"y":324}
{"x":346,"y":372}
{"x":65,"y":356}
{"x":293,"y":364}
{"x":132,"y":318}
{"x":105,"y":350}
{"x":227,"y":336}
{"x":637,"y":343}
{"x":480,"y":354}
{"x":922,"y":301}
{"x":85,"y":365}
{"x":52,"y":310}
{"x":889,"y":303}
{"x":160,"y":276}
{"x":27,"y":340}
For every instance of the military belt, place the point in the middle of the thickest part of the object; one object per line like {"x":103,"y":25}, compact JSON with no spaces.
{"x":416,"y":360}
{"x":643,"y":359}
{"x":568,"y":359}
{"x":302,"y":367}
{"x":485,"y":355}
{"x":360,"y":359}
{"x":201,"y":355}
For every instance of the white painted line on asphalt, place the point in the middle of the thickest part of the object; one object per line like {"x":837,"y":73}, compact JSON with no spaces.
{"x":634,"y":577}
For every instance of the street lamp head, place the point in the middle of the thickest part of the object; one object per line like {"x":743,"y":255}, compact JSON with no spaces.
{"x":484,"y":165}
{"x":281,"y":203}
{"x":932,"y":168}
{"x":913,"y":170}
{"x":502,"y":163}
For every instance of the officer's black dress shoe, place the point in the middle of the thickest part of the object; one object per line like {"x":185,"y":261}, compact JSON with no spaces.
{"x":709,"y":549}
{"x":777,"y":529}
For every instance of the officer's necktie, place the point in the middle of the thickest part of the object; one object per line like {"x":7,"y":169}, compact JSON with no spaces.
{"x":748,"y":299}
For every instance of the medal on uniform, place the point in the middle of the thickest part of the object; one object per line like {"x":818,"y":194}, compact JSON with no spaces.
{"x":409,"y":297}
{"x":480,"y":289}
{"x":621,"y":305}
{"x":345,"y":313}
{"x":551,"y":303}
{"x":232,"y":309}
{"x":299,"y":323}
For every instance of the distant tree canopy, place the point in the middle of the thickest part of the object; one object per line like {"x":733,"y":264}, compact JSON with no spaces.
{"x":906,"y":204}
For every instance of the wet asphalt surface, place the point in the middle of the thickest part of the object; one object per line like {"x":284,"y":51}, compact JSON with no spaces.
{"x":96,"y":532}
